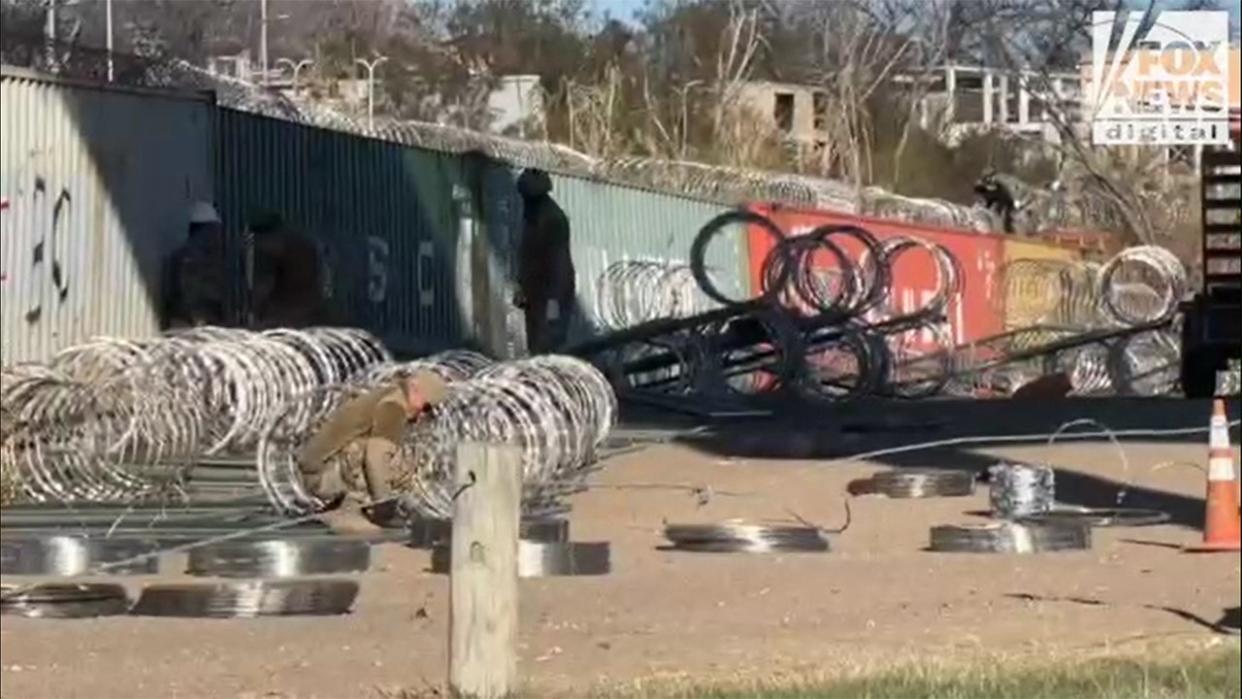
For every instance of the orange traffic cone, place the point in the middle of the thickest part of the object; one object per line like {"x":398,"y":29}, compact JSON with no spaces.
{"x":1222,"y":527}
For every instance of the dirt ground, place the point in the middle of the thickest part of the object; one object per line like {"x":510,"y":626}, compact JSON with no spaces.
{"x":877,"y":598}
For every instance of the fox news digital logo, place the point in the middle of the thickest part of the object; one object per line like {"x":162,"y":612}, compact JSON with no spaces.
{"x":1170,"y":87}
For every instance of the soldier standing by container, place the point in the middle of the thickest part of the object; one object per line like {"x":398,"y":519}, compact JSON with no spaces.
{"x":546,"y":285}
{"x":348,"y":462}
{"x":287,"y":286}
{"x":194,"y":279}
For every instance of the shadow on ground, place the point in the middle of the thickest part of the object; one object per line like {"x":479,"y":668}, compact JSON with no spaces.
{"x":834,"y":433}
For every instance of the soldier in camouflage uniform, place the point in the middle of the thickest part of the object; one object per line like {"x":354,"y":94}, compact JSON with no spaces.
{"x":546,"y":279}
{"x":348,"y":462}
{"x":194,"y":276}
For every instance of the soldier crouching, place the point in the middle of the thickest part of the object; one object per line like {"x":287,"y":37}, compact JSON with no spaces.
{"x":348,"y":462}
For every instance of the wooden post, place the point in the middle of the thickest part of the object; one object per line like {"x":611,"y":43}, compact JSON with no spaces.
{"x":483,"y":617}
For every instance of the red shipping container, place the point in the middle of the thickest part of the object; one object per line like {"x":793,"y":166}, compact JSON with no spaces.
{"x":972,"y":314}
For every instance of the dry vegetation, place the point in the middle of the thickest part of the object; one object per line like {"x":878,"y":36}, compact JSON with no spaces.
{"x":669,"y":84}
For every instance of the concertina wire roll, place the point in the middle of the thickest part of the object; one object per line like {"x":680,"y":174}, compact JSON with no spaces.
{"x":557,"y":409}
{"x":116,"y":419}
{"x":825,"y":321}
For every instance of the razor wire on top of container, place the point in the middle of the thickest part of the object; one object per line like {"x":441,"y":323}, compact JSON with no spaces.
{"x":121,"y":419}
{"x":558,"y":409}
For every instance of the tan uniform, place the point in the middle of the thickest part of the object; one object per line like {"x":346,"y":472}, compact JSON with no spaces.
{"x":352,"y":452}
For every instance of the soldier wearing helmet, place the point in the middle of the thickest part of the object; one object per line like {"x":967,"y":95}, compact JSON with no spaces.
{"x":348,"y":463}
{"x":194,"y":275}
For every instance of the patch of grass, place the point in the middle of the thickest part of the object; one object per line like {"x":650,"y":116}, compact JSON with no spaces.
{"x":1205,"y":675}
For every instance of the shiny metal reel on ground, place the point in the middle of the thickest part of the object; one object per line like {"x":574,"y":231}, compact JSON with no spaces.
{"x":1010,"y":537}
{"x":923,"y":484}
{"x":538,"y":559}
{"x":75,"y":555}
{"x":1018,"y":490}
{"x":254,"y":598}
{"x":64,"y":600}
{"x":1098,"y":516}
{"x":280,"y":558}
{"x":426,"y":533}
{"x":744,"y":537}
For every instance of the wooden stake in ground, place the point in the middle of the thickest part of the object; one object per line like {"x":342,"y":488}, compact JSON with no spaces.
{"x":483,"y":587}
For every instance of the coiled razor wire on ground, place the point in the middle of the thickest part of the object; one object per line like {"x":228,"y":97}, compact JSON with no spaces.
{"x":73,"y":555}
{"x":280,"y":558}
{"x":117,"y":419}
{"x":903,"y":483}
{"x":248,"y":599}
{"x":538,"y":559}
{"x":64,"y":600}
{"x":1009,"y":537}
{"x":1018,"y":490}
{"x":558,"y":410}
{"x":744,"y":537}
{"x":427,"y":532}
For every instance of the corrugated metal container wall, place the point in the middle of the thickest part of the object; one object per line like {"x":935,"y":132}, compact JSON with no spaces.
{"x":608,"y":223}
{"x":972,"y":315}
{"x":1037,"y":283}
{"x":382,"y":214}
{"x":98,"y":183}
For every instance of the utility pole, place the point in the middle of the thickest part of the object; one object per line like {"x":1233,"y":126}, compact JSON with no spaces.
{"x":108,"y":23}
{"x":51,"y":21}
{"x":263,"y":40}
{"x":371,"y":66}
{"x":296,"y":68}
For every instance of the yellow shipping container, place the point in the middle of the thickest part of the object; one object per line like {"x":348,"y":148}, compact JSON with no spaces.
{"x":1042,"y":284}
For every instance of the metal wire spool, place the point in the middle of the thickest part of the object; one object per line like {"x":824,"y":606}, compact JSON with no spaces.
{"x":67,"y":556}
{"x":1098,"y":517}
{"x":64,"y":600}
{"x":249,"y":599}
{"x":280,"y":558}
{"x":742,"y":537}
{"x":426,"y":533}
{"x":698,"y":254}
{"x":1142,"y":284}
{"x":630,"y":292}
{"x":537,"y":559}
{"x":1020,"y":490}
{"x":1008,"y":537}
{"x":923,"y":484}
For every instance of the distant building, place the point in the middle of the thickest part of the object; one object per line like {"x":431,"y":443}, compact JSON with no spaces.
{"x":799,"y":112}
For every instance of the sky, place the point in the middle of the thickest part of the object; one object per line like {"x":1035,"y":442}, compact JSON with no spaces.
{"x":624,"y":9}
